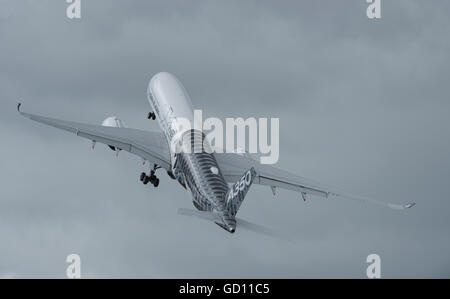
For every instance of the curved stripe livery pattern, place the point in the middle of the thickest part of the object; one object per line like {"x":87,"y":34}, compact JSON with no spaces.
{"x":201,"y":172}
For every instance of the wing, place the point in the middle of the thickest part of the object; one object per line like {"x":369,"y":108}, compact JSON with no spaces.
{"x":151,"y":146}
{"x":232,"y":165}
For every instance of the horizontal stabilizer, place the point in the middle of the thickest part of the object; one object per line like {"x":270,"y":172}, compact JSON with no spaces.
{"x":199,"y":214}
{"x":249,"y":226}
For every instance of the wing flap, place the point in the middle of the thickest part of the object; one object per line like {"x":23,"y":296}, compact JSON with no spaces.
{"x":273,"y":182}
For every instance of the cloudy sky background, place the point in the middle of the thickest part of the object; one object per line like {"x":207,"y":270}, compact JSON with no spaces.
{"x":363,"y":105}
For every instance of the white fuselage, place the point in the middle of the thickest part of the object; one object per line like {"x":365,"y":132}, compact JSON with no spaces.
{"x":171,"y":104}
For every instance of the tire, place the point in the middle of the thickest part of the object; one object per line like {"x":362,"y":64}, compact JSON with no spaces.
{"x":146,"y":180}
{"x":156,"y":183}
{"x":142,"y":177}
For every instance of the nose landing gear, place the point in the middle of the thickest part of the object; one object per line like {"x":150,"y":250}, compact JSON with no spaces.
{"x":151,"y":115}
{"x":152,"y":178}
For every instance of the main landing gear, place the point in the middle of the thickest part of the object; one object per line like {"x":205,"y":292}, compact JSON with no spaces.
{"x":151,"y":115}
{"x":152,"y":178}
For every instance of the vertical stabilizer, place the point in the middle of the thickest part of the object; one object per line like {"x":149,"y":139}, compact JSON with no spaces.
{"x":237,"y":192}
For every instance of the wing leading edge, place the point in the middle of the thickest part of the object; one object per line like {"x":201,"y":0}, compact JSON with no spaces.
{"x":150,"y":146}
{"x":153,"y":147}
{"x":232,"y":165}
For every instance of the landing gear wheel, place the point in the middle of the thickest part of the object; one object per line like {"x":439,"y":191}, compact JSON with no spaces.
{"x":151,"y":115}
{"x":156,"y":182}
{"x":152,"y":178}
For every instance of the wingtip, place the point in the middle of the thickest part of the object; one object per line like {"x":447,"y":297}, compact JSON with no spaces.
{"x":408,"y":206}
{"x":402,"y":207}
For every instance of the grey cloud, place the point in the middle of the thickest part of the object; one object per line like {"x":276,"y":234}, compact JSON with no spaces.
{"x":363,"y":105}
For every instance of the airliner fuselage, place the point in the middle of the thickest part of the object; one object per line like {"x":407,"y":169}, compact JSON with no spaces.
{"x":197,"y":171}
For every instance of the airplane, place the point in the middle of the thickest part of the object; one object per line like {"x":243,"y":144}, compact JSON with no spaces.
{"x":205,"y":175}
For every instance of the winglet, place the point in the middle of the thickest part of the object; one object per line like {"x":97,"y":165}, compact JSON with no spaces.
{"x":18,"y":107}
{"x":401,"y":207}
{"x":408,"y":206}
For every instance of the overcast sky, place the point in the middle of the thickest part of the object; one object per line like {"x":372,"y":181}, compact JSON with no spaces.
{"x":363,"y":105}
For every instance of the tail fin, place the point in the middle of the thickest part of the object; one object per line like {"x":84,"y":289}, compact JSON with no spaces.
{"x":237,"y":192}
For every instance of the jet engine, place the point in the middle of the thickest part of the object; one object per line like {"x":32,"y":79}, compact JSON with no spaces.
{"x":113,"y":121}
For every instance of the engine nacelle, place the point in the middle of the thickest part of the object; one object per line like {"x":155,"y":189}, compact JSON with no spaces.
{"x":113,"y":121}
